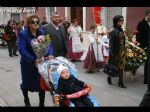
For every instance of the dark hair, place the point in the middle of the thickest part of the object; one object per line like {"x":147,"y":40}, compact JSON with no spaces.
{"x":147,"y":12}
{"x":55,"y":13}
{"x":44,"y":17}
{"x":22,"y":21}
{"x":9,"y":21}
{"x":74,"y":20}
{"x":116,"y":19}
{"x":92,"y":27}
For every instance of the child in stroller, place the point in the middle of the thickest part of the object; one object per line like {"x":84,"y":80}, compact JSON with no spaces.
{"x":68,"y":84}
{"x":50,"y":81}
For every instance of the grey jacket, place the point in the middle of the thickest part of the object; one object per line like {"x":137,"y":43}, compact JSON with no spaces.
{"x":56,"y":42}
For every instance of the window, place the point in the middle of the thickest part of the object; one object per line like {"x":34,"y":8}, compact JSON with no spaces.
{"x":108,"y":13}
{"x":16,"y":17}
{"x":49,"y":12}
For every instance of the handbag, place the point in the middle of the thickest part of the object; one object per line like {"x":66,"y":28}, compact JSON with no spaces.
{"x":43,"y":85}
{"x":7,"y":37}
{"x":111,"y":70}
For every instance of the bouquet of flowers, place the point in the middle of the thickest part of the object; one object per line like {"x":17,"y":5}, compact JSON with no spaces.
{"x":41,"y":44}
{"x":136,"y":56}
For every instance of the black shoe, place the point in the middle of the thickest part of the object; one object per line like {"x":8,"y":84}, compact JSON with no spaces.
{"x":27,"y":103}
{"x":10,"y":55}
{"x":121,"y":85}
{"x":109,"y":80}
{"x":15,"y":54}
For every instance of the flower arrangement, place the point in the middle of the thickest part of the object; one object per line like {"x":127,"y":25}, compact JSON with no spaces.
{"x":136,"y":56}
{"x":41,"y":44}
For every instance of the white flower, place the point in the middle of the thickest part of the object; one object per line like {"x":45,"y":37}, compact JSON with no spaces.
{"x":141,"y":61}
{"x":43,"y":39}
{"x":40,"y":37}
{"x":35,"y":40}
{"x":39,"y":40}
{"x":130,"y":50}
{"x":35,"y":43}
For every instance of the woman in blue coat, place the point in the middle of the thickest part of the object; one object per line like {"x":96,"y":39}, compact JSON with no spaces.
{"x":29,"y":71}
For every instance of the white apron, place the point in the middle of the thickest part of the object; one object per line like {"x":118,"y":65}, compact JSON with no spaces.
{"x":105,"y":43}
{"x":97,"y":47}
{"x":75,"y":32}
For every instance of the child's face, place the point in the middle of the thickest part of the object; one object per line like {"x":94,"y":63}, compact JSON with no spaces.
{"x":65,"y":74}
{"x":93,"y":30}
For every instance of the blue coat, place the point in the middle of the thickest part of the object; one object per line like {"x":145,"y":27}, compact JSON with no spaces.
{"x":29,"y":72}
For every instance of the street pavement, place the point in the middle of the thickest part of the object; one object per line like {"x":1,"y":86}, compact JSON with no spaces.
{"x":107,"y":95}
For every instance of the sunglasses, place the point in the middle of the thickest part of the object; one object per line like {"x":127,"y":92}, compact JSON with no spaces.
{"x":34,"y":22}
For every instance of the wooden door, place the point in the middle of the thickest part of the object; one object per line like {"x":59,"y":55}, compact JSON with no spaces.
{"x":77,"y":13}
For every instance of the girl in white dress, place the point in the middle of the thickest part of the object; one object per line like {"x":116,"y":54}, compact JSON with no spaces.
{"x":105,"y":47}
{"x":94,"y":59}
{"x":75,"y":46}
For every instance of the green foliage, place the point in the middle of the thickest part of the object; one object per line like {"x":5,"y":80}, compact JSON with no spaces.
{"x":135,"y":55}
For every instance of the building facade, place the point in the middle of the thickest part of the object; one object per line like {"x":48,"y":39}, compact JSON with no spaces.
{"x":132,"y":15}
{"x":16,"y":13}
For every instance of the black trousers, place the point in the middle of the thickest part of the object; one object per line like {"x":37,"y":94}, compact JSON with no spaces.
{"x":82,"y":102}
{"x":120,"y":77}
{"x":12,"y":47}
{"x":145,"y":71}
{"x":41,"y":97}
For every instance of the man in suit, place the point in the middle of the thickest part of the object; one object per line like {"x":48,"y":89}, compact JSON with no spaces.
{"x":11,"y":38}
{"x":143,"y":37}
{"x":66,"y":24}
{"x":58,"y":34}
{"x":44,"y":21}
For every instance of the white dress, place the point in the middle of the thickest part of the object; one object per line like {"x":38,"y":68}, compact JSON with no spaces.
{"x":97,"y":47}
{"x":105,"y":43}
{"x":75,"y":33}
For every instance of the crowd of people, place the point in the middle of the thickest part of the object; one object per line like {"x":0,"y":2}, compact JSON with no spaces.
{"x":106,"y":47}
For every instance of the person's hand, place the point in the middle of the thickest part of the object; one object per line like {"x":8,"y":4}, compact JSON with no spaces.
{"x":97,"y":42}
{"x":56,"y":99}
{"x":107,"y":47}
{"x":38,"y":60}
{"x":88,"y":85}
{"x":49,"y":57}
{"x":63,"y":96}
{"x":81,"y":39}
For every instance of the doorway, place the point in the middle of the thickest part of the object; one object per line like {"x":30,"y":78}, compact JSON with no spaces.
{"x":77,"y":13}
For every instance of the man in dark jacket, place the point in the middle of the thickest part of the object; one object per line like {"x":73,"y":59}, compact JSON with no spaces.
{"x":66,"y":25}
{"x":144,"y":39}
{"x":57,"y":31}
{"x":11,"y":39}
{"x":44,"y":21}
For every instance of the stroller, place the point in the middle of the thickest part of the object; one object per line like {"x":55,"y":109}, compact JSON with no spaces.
{"x":49,"y":77}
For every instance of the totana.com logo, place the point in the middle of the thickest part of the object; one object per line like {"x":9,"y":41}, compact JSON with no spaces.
{"x":17,"y":9}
